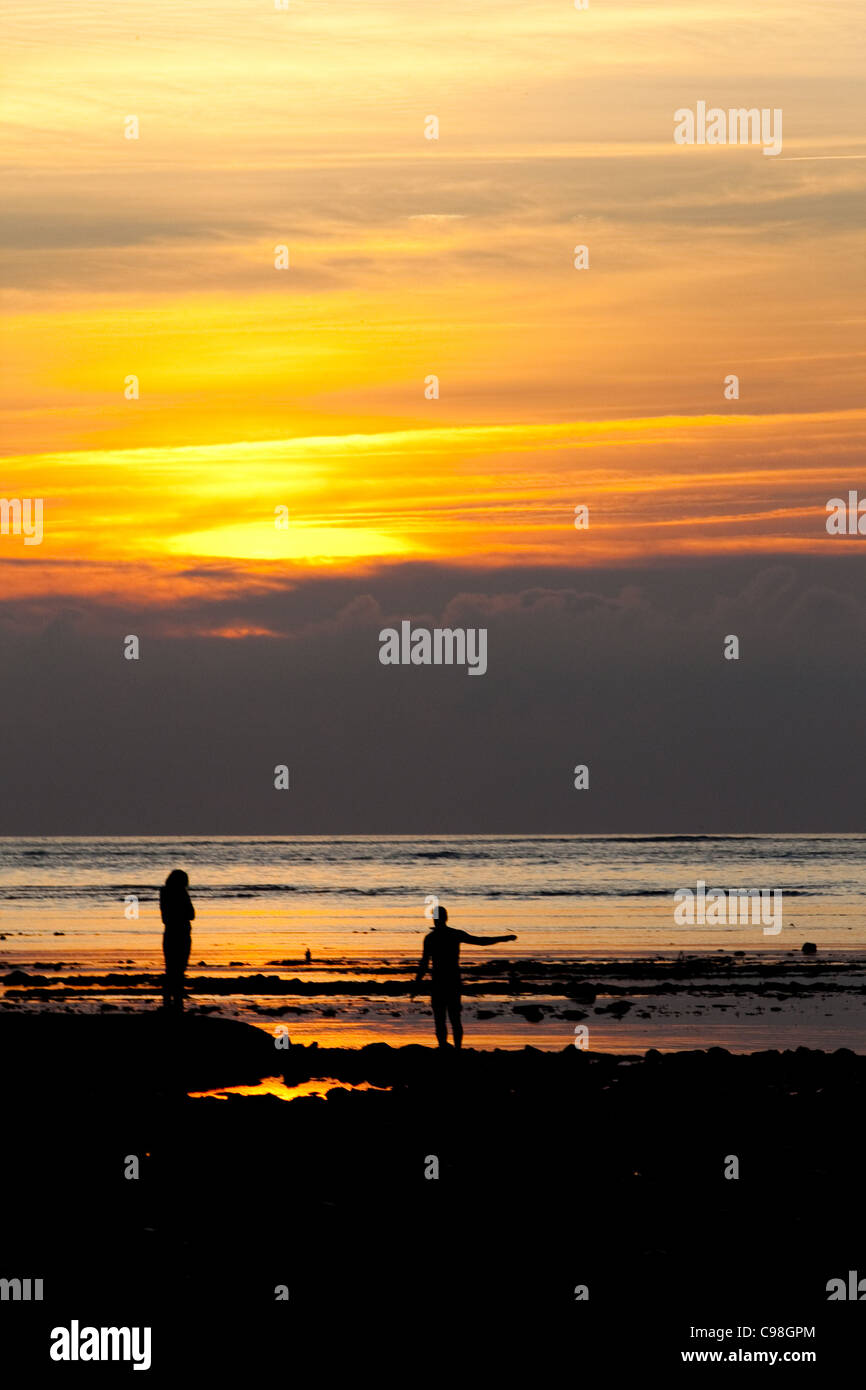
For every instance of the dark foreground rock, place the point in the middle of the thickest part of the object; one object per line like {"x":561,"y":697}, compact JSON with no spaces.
{"x":141,"y":1052}
{"x":478,"y":1191}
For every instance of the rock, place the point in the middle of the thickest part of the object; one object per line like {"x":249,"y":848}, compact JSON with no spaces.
{"x":531,"y":1012}
{"x":617,"y":1008}
{"x":582,"y":993}
{"x":809,"y":948}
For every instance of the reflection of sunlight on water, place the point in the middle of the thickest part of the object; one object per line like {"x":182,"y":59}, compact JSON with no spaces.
{"x":275,"y":1086}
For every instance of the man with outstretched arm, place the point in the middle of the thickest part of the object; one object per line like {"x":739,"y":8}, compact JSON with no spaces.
{"x":442,"y":953}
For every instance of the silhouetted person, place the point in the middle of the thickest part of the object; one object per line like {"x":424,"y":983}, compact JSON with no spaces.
{"x":308,"y":956}
{"x":442,"y":952}
{"x":177,"y":912}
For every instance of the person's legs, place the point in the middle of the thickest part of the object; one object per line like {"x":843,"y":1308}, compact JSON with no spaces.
{"x":439,"y":1010}
{"x":167,"y":975}
{"x":176,"y":959}
{"x":456,"y":1020}
{"x":181,"y":962}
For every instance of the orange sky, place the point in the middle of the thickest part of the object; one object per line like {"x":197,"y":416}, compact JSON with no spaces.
{"x":305,"y":387}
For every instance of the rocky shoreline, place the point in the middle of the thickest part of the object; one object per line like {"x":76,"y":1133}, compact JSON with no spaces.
{"x":554,"y":1171}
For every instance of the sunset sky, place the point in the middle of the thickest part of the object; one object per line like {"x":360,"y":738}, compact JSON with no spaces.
{"x":410,"y":257}
{"x":305,"y":387}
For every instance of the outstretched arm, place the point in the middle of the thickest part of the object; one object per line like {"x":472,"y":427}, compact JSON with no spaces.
{"x":486,"y":940}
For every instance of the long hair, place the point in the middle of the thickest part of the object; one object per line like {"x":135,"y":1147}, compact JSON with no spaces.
{"x":177,"y":881}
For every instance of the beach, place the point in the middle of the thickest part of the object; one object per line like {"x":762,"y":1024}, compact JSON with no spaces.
{"x":572,"y":1186}
{"x":643,"y":1117}
{"x":738,"y":1001}
{"x":593,"y":915}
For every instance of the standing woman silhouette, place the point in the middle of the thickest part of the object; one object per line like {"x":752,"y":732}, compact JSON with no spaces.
{"x":177,"y":912}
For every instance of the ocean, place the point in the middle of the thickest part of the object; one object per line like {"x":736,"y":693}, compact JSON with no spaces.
{"x":594,"y":908}
{"x":259,"y":899}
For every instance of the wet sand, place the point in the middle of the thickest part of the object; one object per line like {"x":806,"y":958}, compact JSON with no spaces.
{"x":734,"y":1000}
